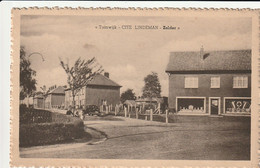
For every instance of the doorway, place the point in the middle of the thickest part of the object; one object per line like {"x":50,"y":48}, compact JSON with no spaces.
{"x":214,"y":105}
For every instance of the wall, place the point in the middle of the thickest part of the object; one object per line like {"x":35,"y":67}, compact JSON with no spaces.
{"x":38,"y":103}
{"x":79,"y":97}
{"x":57,"y":99}
{"x":176,"y":88}
{"x":48,"y":101}
{"x":95,"y":95}
{"x":68,"y":98}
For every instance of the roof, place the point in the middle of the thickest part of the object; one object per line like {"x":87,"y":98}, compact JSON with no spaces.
{"x":227,"y":60}
{"x":101,"y":80}
{"x":130,"y":102}
{"x":38,"y":96}
{"x":158,"y":100}
{"x":58,"y":90}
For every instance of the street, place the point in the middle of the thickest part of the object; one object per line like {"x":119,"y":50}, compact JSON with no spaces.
{"x":189,"y":138}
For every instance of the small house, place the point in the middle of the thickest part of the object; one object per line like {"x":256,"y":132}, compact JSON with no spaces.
{"x":101,"y":90}
{"x":55,"y":97}
{"x":38,"y":100}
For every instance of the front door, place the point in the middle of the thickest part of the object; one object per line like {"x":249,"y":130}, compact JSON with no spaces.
{"x":214,"y":106}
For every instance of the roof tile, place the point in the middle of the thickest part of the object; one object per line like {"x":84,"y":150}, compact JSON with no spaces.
{"x":213,"y":60}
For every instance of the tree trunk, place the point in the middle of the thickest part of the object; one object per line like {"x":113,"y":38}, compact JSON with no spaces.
{"x":73,"y":102}
{"x":27,"y":103}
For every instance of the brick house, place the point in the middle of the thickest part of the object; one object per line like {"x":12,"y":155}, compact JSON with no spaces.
{"x":210,"y":83}
{"x":55,"y":97}
{"x":101,"y":90}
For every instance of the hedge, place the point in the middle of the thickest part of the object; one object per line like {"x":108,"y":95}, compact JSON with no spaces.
{"x":59,"y":128}
{"x":30,"y":115}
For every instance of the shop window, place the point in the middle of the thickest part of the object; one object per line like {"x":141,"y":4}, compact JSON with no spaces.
{"x":191,"y":82}
{"x":238,"y":105}
{"x":190,"y":105}
{"x":240,"y":82}
{"x":215,"y":82}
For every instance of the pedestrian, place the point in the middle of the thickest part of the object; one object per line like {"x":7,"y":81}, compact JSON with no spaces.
{"x":69,"y":112}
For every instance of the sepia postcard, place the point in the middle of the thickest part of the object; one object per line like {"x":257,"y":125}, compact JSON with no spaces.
{"x":105,"y":87}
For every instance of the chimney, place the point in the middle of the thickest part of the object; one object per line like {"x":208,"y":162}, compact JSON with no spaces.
{"x":106,"y":74}
{"x":201,"y":52}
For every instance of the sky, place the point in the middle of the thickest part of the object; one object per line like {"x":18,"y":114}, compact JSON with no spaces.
{"x":128,"y":55}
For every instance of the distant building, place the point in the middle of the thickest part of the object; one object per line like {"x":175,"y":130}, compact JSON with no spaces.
{"x":131,"y":103}
{"x":38,"y":100}
{"x":55,"y":97}
{"x":144,"y":101}
{"x":101,"y":90}
{"x":215,"y":82}
{"x":160,"y":102}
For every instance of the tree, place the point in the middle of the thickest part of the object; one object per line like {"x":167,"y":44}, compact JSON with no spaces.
{"x":128,"y":95}
{"x":80,"y":74}
{"x":152,"y":86}
{"x":27,"y":74}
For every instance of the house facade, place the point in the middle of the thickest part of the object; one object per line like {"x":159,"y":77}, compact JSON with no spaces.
{"x":210,"y":83}
{"x":55,"y":97}
{"x":101,"y":90}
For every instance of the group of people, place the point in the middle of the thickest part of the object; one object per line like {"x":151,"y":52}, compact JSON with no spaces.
{"x":78,"y":112}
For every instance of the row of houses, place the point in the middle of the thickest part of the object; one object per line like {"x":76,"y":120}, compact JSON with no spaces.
{"x":101,"y":90}
{"x":203,"y":83}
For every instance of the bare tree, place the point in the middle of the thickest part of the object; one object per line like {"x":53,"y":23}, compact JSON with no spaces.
{"x":80,"y":74}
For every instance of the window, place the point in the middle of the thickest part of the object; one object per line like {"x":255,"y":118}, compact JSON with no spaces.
{"x":215,"y":82}
{"x":82,"y":91}
{"x":240,"y":82}
{"x":191,"y":82}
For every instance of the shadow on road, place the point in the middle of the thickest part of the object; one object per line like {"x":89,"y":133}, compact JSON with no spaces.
{"x":180,"y":130}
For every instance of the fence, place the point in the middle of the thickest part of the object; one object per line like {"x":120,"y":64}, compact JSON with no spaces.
{"x":141,"y":113}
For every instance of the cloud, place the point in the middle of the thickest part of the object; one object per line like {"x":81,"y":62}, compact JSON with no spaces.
{"x":136,"y":85}
{"x":89,"y":46}
{"x":122,"y":71}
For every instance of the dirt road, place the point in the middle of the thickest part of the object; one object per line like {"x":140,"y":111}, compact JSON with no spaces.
{"x":197,"y":138}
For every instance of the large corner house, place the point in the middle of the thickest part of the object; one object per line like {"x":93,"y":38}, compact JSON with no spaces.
{"x":101,"y":90}
{"x":210,"y":83}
